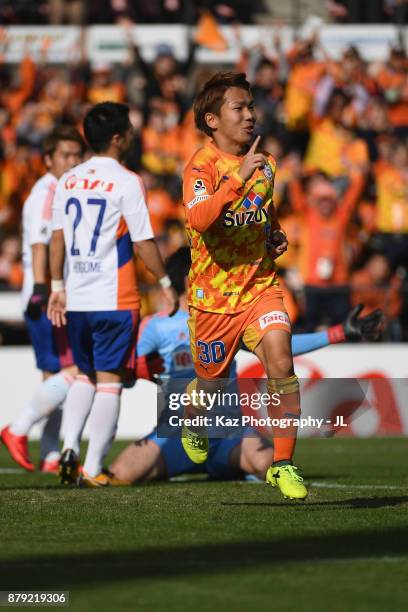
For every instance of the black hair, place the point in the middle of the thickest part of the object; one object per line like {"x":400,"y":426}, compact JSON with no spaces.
{"x":62,"y":133}
{"x":102,"y":122}
{"x":177,"y":267}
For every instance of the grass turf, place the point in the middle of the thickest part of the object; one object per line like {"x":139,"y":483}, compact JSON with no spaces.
{"x":218,"y":545}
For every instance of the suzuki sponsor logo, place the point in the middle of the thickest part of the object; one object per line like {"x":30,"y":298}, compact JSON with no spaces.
{"x":274,"y":317}
{"x":247,"y":217}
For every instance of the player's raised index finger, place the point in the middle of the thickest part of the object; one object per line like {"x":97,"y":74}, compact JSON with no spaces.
{"x":254,"y":145}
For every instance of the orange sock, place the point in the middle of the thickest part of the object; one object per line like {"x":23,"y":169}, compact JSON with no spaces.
{"x":284,"y":437}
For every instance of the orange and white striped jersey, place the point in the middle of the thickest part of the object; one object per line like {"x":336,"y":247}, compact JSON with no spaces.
{"x":102,"y":210}
{"x":36,"y":226}
{"x":228,"y":222}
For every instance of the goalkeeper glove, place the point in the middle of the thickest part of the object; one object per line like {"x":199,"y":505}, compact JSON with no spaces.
{"x":149,"y":366}
{"x":38,"y":301}
{"x":355,"y":328}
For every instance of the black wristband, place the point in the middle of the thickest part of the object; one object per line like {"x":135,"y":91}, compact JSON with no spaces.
{"x":40,"y":289}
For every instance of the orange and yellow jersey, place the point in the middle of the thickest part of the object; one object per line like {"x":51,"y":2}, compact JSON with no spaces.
{"x":228,"y":221}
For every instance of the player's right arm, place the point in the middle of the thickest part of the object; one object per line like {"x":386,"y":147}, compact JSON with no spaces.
{"x":39,"y":238}
{"x":203,"y":203}
{"x":39,"y":297}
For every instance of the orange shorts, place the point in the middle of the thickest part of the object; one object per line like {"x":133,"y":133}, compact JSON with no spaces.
{"x":215,"y":338}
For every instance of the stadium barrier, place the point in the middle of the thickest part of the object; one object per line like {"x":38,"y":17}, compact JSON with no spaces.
{"x":384,"y":369}
{"x":10,"y":306}
{"x":109,"y":43}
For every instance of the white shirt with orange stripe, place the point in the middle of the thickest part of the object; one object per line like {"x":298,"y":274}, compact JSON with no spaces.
{"x":101,"y":207}
{"x":37,"y":212}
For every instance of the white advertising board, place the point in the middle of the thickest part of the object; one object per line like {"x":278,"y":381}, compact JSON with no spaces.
{"x":384,"y":409}
{"x":108,"y":43}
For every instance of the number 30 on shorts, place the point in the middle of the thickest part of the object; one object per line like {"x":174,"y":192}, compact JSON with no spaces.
{"x":211,"y":352}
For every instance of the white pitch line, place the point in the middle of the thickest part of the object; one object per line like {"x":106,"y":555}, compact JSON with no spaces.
{"x":333,"y":485}
{"x":11,"y":471}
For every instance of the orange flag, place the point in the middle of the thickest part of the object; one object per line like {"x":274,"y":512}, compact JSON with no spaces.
{"x":209,"y":34}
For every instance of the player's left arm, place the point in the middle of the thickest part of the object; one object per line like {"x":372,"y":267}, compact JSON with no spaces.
{"x":57,"y":301}
{"x":277,"y":241}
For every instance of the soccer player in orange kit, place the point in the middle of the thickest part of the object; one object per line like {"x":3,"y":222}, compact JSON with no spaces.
{"x":234,"y":292}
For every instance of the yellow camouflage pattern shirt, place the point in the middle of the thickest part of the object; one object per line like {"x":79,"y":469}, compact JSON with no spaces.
{"x":228,"y":221}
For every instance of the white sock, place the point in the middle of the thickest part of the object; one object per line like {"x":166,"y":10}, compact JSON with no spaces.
{"x":51,"y":393}
{"x":102,"y":424}
{"x":50,"y":440}
{"x":77,"y":408}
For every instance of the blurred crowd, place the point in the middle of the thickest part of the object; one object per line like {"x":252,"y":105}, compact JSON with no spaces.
{"x":338,"y":129}
{"x":82,"y":12}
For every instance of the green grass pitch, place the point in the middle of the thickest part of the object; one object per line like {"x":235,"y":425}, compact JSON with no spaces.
{"x":208,"y":546}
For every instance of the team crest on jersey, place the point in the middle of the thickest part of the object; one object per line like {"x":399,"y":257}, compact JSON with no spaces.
{"x":199,"y":188}
{"x":268,"y":173}
{"x":253,"y":200}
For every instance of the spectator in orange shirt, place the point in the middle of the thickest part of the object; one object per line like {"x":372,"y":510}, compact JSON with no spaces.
{"x":19,"y":171}
{"x":376,"y":287}
{"x":103,"y":86}
{"x":161,"y":206}
{"x":305,"y":73}
{"x":163,"y":67}
{"x":333,"y":148}
{"x":393,"y":83}
{"x":323,"y":257}
{"x":385,"y":144}
{"x":161,"y":145}
{"x":392,"y":207}
{"x":14,"y":92}
{"x":350,"y":75}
